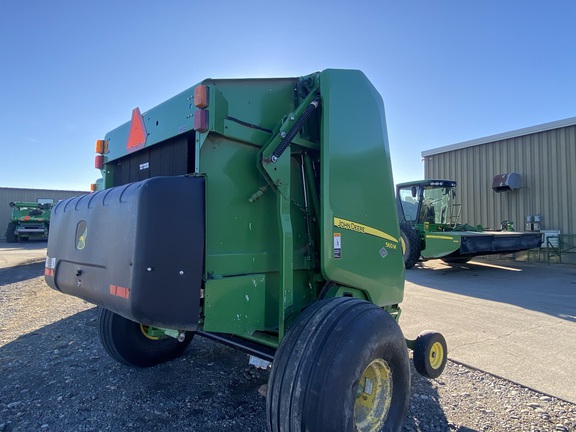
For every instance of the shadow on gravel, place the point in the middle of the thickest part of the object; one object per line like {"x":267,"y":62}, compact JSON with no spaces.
{"x":425,"y":412}
{"x":59,"y":378}
{"x":22,"y":272}
{"x":547,"y":289}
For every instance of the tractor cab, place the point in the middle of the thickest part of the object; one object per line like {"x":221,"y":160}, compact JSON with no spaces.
{"x":431,"y":229}
{"x":428,"y":202}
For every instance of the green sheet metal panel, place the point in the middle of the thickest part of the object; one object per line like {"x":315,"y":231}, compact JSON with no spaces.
{"x":260,"y":102}
{"x":249,"y":109}
{"x":242,"y":237}
{"x":360,"y":232}
{"x":439,"y":244}
{"x":236,"y":304}
{"x":166,"y":120}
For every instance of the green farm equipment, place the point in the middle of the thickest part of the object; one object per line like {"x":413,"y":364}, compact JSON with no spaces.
{"x":430,"y":227}
{"x":246,"y":211}
{"x":29,"y":220}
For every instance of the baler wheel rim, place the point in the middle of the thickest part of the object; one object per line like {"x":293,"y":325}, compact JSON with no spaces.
{"x":126,"y":343}
{"x":374,"y":395}
{"x":430,"y":354}
{"x":346,"y":338}
{"x":436,"y":355}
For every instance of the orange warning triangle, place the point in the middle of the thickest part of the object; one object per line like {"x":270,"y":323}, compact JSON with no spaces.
{"x":137,"y":135}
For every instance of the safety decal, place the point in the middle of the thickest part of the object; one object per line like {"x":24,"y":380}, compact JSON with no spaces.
{"x":368,"y":386}
{"x":50,"y":266}
{"x":50,"y":263}
{"x":337,"y":245}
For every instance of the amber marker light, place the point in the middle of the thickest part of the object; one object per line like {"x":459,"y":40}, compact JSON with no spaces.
{"x":101,"y":146}
{"x":201,"y":96}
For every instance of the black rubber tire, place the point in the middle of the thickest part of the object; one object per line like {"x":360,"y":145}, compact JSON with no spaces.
{"x":425,"y":343}
{"x":411,"y":251}
{"x":125,"y":342}
{"x":315,"y":377}
{"x":456,"y":260}
{"x":10,"y":236}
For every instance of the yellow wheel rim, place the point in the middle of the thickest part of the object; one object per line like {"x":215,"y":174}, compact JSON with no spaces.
{"x":144,"y":330}
{"x":436,"y":355}
{"x":373,"y":396}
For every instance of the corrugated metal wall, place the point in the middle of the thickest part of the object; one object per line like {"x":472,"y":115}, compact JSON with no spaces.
{"x":8,"y":195}
{"x":545,"y":160}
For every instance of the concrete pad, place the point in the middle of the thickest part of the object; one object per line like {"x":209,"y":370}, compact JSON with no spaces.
{"x":13,"y":254}
{"x":514,"y":320}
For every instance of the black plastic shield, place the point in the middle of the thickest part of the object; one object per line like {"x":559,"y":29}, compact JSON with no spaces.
{"x":137,"y":250}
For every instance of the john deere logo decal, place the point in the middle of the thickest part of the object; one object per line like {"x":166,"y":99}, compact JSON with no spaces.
{"x":81,"y":234}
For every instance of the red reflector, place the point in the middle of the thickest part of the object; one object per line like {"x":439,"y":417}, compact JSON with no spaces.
{"x":99,"y":162}
{"x":119,"y":291}
{"x":48,"y":272}
{"x":201,"y":96}
{"x":137,"y":135}
{"x":201,"y":120}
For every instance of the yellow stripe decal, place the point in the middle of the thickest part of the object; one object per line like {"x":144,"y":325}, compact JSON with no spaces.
{"x":363,"y":229}
{"x":439,"y":237}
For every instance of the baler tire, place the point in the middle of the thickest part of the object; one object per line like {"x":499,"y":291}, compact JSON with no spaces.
{"x":126,"y":343}
{"x":10,"y":236}
{"x":411,"y":248}
{"x":430,"y":354}
{"x":342,"y":366}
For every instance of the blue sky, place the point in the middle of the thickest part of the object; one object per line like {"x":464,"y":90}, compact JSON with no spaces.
{"x":448,"y":71}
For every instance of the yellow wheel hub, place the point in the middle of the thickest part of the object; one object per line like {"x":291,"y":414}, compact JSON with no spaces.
{"x":373,"y":396}
{"x":436,"y":355}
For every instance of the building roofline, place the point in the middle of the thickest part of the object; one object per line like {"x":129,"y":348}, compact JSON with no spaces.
{"x":42,"y":190}
{"x":502,"y":136}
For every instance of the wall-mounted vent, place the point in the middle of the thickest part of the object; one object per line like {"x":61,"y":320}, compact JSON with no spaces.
{"x":506,"y":182}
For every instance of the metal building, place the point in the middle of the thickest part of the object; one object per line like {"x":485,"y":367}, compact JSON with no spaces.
{"x":543,"y":156}
{"x":8,"y":195}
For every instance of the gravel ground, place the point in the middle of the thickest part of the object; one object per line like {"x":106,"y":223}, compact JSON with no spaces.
{"x":55,"y":376}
